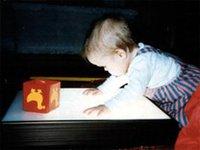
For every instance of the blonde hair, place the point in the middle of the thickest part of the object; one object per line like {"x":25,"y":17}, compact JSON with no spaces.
{"x":107,"y":36}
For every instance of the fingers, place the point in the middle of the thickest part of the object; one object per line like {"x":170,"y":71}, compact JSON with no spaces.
{"x":96,"y":92}
{"x":89,"y":110}
{"x":100,"y":112}
{"x":92,"y":91}
{"x":96,"y":111}
{"x":86,"y":92}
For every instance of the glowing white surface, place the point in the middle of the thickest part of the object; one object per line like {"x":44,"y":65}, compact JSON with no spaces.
{"x":72,"y":104}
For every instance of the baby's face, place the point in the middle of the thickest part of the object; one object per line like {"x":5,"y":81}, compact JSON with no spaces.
{"x":114,"y":64}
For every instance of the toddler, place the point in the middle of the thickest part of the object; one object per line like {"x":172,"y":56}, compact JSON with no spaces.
{"x":142,"y":69}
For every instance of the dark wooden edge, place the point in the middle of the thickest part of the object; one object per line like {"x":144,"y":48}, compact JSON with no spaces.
{"x":89,"y":133}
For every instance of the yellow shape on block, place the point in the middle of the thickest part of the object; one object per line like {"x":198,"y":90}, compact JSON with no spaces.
{"x":54,"y":96}
{"x":37,"y":97}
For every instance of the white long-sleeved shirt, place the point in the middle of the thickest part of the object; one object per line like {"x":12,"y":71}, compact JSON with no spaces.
{"x":147,"y":70}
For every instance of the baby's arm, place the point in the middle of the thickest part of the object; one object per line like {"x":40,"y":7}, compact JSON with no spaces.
{"x":111,"y":85}
{"x":139,"y":78}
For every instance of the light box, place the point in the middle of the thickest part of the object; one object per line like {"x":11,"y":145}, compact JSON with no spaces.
{"x":73,"y":103}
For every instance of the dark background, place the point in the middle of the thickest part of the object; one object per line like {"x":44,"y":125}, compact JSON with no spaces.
{"x":172,"y":26}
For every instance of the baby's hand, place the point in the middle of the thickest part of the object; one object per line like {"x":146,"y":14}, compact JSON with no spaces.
{"x":98,"y":110}
{"x":92,"y":91}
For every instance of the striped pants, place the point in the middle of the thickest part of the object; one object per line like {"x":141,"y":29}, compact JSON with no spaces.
{"x":173,"y":97}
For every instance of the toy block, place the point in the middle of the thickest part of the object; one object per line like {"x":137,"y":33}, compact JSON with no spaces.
{"x":41,"y":96}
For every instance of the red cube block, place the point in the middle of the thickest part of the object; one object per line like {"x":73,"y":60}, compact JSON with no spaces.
{"x":41,"y":95}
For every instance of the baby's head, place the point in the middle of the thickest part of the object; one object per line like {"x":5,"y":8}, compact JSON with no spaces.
{"x":110,"y":46}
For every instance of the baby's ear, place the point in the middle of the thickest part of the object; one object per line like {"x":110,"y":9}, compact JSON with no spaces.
{"x":120,"y":52}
